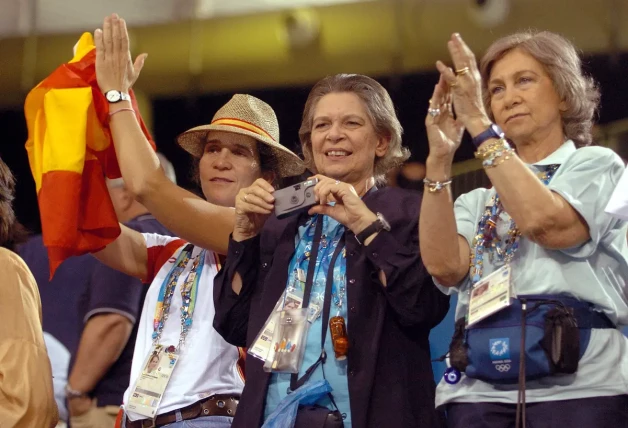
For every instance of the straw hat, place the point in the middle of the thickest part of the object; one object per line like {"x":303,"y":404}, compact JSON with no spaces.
{"x":246,"y":115}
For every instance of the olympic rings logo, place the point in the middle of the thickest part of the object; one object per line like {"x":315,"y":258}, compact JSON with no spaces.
{"x":502,"y":368}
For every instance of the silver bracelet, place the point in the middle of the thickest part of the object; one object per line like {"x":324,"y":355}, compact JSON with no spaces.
{"x":435,"y":186}
{"x":73,"y":393}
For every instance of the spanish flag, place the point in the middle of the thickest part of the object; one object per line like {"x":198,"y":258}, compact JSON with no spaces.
{"x":70,"y":152}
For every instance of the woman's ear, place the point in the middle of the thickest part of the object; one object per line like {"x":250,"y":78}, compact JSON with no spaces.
{"x":382,"y":146}
{"x":269,"y":176}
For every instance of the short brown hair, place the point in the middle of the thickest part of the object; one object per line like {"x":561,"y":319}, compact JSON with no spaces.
{"x":562,"y":62}
{"x":12,"y":232}
{"x":267,"y":161}
{"x":379,"y":107}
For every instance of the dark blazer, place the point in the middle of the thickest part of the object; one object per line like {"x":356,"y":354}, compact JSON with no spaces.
{"x":390,"y":375}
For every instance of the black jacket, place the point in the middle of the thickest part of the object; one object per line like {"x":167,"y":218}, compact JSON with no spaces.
{"x":390,"y":375}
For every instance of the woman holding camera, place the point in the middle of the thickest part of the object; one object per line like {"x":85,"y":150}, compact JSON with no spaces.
{"x":352,"y":259}
{"x":543,"y":222}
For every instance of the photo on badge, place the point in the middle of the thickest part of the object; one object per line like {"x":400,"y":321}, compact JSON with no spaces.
{"x":149,"y":387}
{"x":153,"y":361}
{"x":292,"y":302}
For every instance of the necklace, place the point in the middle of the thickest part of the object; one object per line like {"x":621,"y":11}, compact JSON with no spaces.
{"x":486,"y":238}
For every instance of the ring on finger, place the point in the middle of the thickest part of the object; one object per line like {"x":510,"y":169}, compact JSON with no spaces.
{"x":245,"y":195}
{"x":462,"y":71}
{"x":433,"y":111}
{"x":337,"y":181}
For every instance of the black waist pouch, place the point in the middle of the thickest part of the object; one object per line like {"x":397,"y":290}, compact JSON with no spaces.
{"x":318,"y":417}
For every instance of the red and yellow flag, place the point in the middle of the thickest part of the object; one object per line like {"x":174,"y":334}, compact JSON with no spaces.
{"x":70,"y":152}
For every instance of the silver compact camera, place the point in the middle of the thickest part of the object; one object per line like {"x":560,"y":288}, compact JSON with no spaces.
{"x":295,"y":199}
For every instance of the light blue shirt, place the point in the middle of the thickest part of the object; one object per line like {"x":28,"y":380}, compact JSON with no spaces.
{"x":595,"y":271}
{"x":334,"y":371}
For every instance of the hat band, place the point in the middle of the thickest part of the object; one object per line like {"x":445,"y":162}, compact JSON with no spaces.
{"x":238,"y":123}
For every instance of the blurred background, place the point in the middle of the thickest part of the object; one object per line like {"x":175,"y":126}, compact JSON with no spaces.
{"x":203,"y":51}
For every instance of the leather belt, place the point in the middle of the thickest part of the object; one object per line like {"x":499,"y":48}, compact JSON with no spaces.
{"x":215,"y":405}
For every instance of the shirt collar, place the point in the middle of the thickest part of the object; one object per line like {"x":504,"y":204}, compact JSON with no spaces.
{"x":559,"y":156}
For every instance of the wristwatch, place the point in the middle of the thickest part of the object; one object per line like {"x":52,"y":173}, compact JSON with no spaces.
{"x":114,"y":96}
{"x":377,"y":226}
{"x":493,"y":131}
{"x":73,"y":393}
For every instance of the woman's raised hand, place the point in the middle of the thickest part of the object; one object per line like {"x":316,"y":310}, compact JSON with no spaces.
{"x":253,"y":206}
{"x":115,"y":69}
{"x":466,"y":86}
{"x":444,"y":133}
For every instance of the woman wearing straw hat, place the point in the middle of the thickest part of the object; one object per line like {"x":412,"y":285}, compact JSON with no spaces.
{"x":199,"y":375}
{"x":367,"y":282}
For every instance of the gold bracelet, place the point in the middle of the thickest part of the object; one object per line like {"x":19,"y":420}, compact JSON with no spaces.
{"x":496,"y":160}
{"x":495,"y":146}
{"x":495,"y":153}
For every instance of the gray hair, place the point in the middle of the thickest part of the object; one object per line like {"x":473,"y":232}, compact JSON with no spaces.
{"x":562,"y":62}
{"x":380,"y":109}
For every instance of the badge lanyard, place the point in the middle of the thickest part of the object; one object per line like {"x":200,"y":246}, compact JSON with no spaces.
{"x":295,"y":382}
{"x":189,"y":290}
{"x":298,"y":280}
{"x":486,"y":237}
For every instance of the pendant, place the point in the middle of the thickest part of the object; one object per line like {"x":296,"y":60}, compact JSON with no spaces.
{"x":452,"y":376}
{"x":339,"y":338}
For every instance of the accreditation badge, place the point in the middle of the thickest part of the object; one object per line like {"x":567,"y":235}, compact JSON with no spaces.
{"x":490,"y":295}
{"x":149,"y":388}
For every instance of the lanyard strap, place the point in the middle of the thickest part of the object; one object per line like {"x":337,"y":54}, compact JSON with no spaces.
{"x":295,"y":382}
{"x":311,"y":266}
{"x":189,"y":291}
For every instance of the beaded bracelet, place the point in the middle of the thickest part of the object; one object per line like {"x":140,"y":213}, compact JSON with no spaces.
{"x":435,"y":186}
{"x":495,"y":153}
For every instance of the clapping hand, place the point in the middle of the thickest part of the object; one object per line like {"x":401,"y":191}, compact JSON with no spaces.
{"x":444,"y":133}
{"x":115,"y":69}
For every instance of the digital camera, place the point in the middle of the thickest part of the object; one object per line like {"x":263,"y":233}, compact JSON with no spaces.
{"x":295,"y":199}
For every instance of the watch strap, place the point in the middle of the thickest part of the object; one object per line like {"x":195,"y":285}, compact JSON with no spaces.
{"x":377,"y":226}
{"x":492,"y":131}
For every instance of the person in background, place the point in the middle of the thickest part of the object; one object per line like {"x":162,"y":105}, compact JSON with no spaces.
{"x":529,"y":109}
{"x":375,"y":280}
{"x":411,"y":176}
{"x":26,"y":391}
{"x":59,"y":300}
{"x":60,"y":361}
{"x":109,"y":309}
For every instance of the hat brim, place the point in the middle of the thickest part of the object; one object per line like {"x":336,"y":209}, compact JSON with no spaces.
{"x":288,"y":163}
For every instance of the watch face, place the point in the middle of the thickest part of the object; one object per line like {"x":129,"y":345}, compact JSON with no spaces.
{"x":113,"y":96}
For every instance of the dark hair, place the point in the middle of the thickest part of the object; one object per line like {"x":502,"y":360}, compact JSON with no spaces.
{"x":562,"y":63}
{"x":379,"y":107}
{"x":12,"y":232}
